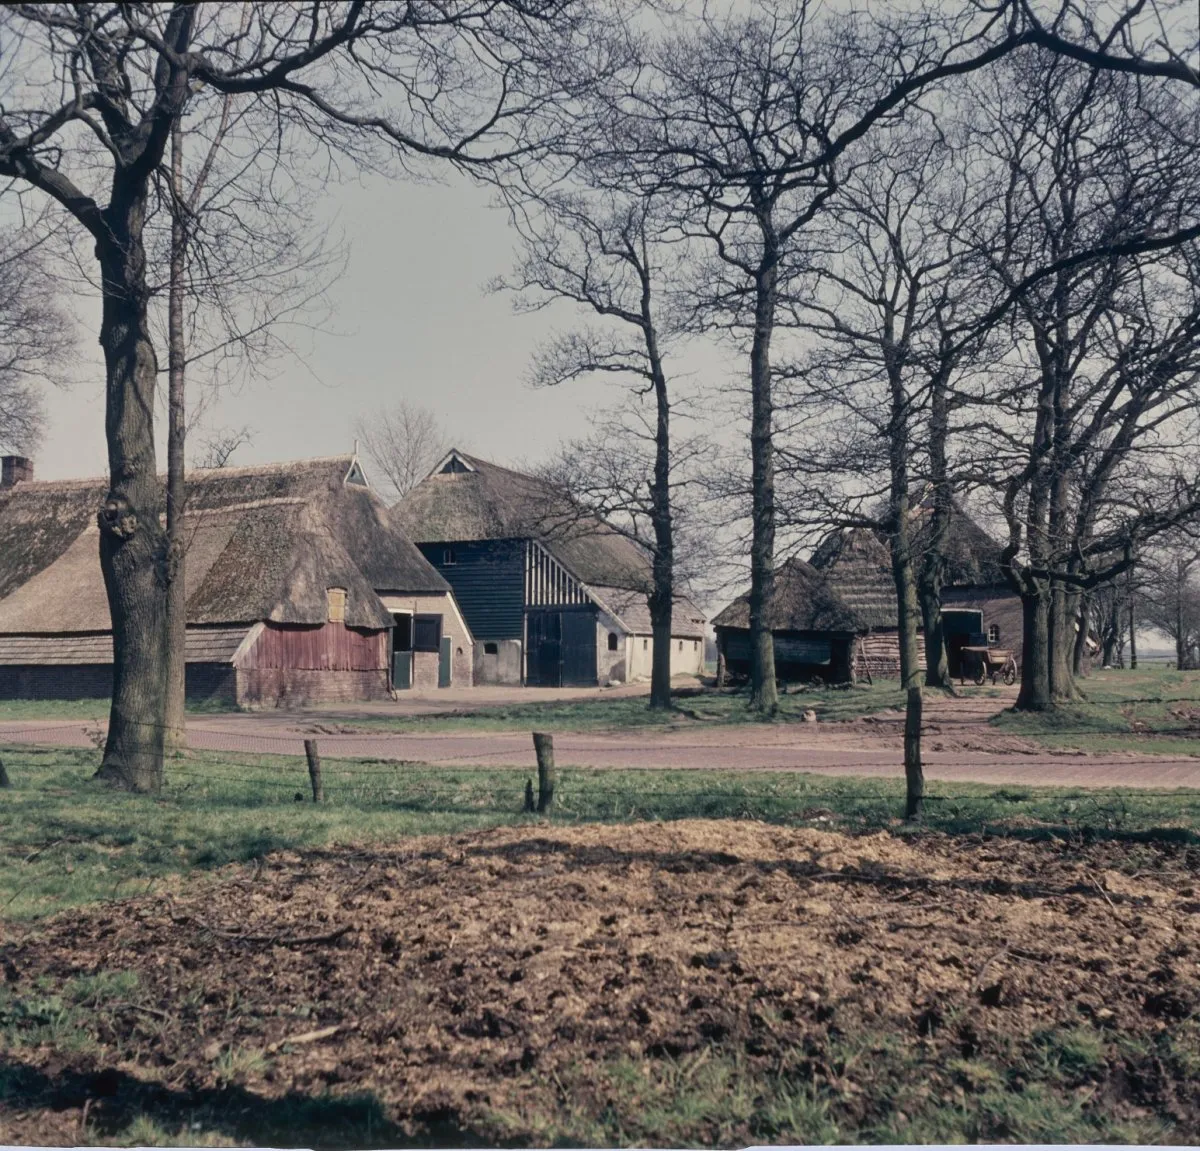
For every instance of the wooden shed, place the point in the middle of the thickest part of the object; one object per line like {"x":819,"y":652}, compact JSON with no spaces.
{"x":834,"y":617}
{"x":298,"y":584}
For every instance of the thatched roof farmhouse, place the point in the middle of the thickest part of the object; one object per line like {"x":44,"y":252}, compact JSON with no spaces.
{"x":300,"y":585}
{"x":553,"y":597}
{"x":834,"y":617}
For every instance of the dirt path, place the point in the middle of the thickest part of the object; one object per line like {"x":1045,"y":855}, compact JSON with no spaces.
{"x":959,"y":747}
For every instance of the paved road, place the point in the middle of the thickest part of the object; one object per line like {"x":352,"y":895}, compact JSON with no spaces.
{"x":956,"y":749}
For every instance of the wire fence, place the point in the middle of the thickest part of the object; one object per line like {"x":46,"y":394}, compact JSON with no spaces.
{"x":265,"y":770}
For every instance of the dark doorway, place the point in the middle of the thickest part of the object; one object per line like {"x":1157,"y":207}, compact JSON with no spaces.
{"x":402,"y":652}
{"x":561,"y":648}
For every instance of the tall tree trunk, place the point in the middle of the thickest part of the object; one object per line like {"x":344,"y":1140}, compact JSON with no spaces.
{"x":937,"y":664}
{"x":176,"y":736}
{"x":905,"y":578}
{"x":133,"y":545}
{"x":1181,"y":653}
{"x":1062,"y":644}
{"x":1079,"y":667}
{"x":1035,"y":640}
{"x":1132,"y":615}
{"x":662,"y":598}
{"x":763,"y":693}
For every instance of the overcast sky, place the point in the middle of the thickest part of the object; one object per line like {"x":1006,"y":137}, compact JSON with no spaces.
{"x":409,"y":319}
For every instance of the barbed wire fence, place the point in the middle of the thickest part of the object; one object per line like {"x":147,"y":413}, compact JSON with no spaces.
{"x":261,"y":769}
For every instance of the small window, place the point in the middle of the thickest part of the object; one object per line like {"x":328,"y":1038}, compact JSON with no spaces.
{"x":336,"y":600}
{"x":449,"y":557}
{"x":645,"y":645}
{"x":427,"y":632}
{"x":681,"y":645}
{"x":612,"y":641}
{"x":695,"y":645}
{"x":994,"y":633}
{"x":491,"y":649}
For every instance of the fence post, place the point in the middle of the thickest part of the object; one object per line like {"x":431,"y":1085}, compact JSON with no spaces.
{"x":543,"y":744}
{"x":4,"y":780}
{"x":529,"y":805}
{"x":314,"y":769}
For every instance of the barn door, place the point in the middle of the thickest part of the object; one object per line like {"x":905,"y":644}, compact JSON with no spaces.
{"x":444,"y":662}
{"x":579,"y":649}
{"x":543,"y":636}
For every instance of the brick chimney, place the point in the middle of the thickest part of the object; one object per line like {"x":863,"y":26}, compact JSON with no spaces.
{"x":15,"y":470}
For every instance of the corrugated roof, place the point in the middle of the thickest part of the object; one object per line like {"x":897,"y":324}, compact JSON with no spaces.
{"x":262,"y":543}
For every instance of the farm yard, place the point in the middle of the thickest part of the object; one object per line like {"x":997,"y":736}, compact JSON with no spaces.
{"x":672,"y":955}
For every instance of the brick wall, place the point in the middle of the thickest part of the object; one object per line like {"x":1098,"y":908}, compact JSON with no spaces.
{"x":280,"y":687}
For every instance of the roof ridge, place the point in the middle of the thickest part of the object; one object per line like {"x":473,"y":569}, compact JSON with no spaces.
{"x":241,"y":469}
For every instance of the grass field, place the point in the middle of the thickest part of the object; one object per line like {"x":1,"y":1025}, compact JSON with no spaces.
{"x":1154,"y":710}
{"x":67,"y":841}
{"x":595,"y":714}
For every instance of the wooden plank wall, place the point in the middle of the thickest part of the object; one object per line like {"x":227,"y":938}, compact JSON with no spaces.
{"x":330,"y":647}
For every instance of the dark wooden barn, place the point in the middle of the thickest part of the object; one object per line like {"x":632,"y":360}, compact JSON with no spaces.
{"x":299,"y":584}
{"x":553,"y":599}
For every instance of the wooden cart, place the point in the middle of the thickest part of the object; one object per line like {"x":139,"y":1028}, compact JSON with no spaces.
{"x":979,"y":662}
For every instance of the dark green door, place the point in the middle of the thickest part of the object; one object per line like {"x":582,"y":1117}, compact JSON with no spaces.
{"x":444,"y":663}
{"x":402,"y":670}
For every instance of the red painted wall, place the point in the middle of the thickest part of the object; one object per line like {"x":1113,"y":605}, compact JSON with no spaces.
{"x":330,"y":647}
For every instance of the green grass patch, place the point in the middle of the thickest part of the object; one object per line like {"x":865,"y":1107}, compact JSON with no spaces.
{"x":68,"y":840}
{"x":95,"y":710}
{"x":623,"y":712}
{"x":1155,"y":711}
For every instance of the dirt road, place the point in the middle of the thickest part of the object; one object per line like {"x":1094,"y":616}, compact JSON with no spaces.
{"x":959,"y":746}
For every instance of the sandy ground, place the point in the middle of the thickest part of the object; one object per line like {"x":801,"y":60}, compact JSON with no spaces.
{"x":460,"y":978}
{"x":958,"y":745}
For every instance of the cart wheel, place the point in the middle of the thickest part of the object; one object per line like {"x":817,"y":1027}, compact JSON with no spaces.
{"x":980,"y":675}
{"x":1010,"y":674}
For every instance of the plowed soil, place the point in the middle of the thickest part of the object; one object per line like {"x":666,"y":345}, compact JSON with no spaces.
{"x":490,"y":986}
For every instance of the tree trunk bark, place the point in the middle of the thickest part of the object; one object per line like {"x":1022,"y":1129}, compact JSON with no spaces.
{"x":1062,"y":644}
{"x":914,"y":774}
{"x":1035,"y":661}
{"x":1079,"y":665}
{"x":937,"y":662}
{"x":1132,"y":621}
{"x":133,"y":545}
{"x":176,"y":733}
{"x":662,"y":598}
{"x":763,"y":692}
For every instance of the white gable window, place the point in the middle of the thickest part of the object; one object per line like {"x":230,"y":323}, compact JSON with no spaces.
{"x":336,"y":600}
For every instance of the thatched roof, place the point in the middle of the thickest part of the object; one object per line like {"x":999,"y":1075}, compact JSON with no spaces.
{"x":858,"y":564}
{"x":263,"y":543}
{"x":632,"y":609}
{"x":803,"y":601}
{"x":479,"y":500}
{"x":848,"y":585}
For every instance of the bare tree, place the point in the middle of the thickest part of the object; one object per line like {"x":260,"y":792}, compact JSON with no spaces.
{"x":34,"y":340}
{"x":90,"y":97}
{"x":1103,"y":367}
{"x":1170,"y":593}
{"x":403,"y":443}
{"x":613,"y":253}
